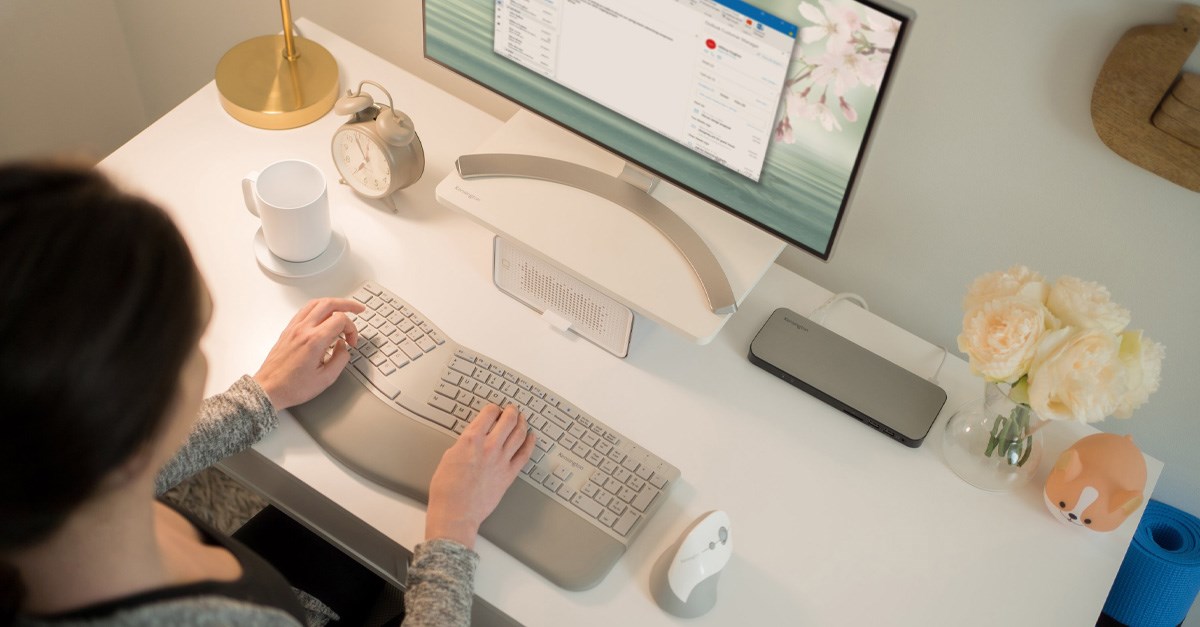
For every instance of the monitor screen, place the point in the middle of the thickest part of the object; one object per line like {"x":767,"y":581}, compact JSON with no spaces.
{"x":763,"y":107}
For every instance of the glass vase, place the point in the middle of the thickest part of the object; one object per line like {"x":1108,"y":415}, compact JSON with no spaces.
{"x":994,"y":444}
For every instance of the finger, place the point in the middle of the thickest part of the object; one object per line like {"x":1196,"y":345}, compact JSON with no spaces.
{"x":504,"y":426}
{"x":332,"y":328}
{"x":336,"y":363}
{"x":484,"y":420}
{"x":515,"y":437}
{"x":522,"y":455}
{"x":324,"y":307}
{"x":303,"y":313}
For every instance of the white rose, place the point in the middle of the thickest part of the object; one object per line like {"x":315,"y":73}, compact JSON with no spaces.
{"x":1016,"y":281}
{"x":1000,"y":337}
{"x":1086,"y":304}
{"x":1077,"y":374}
{"x":1143,"y":368}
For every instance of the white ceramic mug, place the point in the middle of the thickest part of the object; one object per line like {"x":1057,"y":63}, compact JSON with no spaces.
{"x":289,"y":197}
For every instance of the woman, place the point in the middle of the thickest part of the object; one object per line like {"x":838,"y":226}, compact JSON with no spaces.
{"x":101,"y":381}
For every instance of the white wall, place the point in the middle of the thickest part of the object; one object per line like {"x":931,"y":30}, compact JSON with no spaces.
{"x":67,"y":80}
{"x":984,"y":158}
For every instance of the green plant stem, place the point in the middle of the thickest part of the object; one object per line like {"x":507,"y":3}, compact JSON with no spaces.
{"x":1012,"y":436}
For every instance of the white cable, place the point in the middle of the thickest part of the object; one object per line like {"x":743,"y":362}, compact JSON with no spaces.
{"x":823,"y":309}
{"x":945,"y":353}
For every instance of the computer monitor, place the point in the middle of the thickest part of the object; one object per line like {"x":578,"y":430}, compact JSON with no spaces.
{"x":762,"y":107}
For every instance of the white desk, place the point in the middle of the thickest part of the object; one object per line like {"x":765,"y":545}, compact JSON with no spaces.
{"x":834,"y":524}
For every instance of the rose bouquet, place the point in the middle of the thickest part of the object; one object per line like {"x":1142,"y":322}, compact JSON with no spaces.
{"x":1063,"y":349}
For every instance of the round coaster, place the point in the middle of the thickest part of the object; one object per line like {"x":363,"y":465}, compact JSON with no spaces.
{"x":299,"y":270}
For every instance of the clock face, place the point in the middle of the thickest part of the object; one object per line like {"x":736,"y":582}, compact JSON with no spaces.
{"x":363,"y":163}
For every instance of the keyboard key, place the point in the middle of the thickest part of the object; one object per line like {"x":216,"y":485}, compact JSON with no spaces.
{"x":626,"y":522}
{"x":586,"y":504}
{"x":618,"y":506}
{"x":444,"y":404}
{"x":627,"y":495}
{"x":603,"y":498}
{"x":566,"y":492}
{"x":563,"y":472}
{"x":412,"y":350}
{"x":426,"y":344}
{"x":539,"y":473}
{"x":658,"y":481}
{"x":608,"y":518}
{"x":381,"y":382}
{"x":552,"y":483}
{"x":590,"y":489}
{"x":622,"y":475}
{"x":462,"y":366}
{"x":552,"y":431}
{"x":644,"y":499}
{"x":447,"y":390}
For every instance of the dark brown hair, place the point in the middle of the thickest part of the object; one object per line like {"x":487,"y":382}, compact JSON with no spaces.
{"x":99,"y":309}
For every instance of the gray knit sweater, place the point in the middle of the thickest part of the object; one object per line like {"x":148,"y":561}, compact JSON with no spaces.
{"x":439,"y":578}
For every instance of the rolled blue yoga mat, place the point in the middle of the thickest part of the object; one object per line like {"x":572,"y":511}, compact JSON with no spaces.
{"x":1160,"y":577}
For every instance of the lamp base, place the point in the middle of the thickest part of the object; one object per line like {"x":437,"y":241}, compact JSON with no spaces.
{"x":260,"y":87}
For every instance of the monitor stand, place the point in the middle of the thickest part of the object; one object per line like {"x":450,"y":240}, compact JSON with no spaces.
{"x":598,"y":237}
{"x":632,"y":190}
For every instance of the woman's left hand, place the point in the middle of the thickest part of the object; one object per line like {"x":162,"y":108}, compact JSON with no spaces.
{"x":300,"y":365}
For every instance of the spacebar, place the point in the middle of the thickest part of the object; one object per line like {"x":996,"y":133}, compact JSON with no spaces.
{"x":377,"y":378}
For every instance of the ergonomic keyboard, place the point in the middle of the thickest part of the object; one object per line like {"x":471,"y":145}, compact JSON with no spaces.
{"x":409,"y":390}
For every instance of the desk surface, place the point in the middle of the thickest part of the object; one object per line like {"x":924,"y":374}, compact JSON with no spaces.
{"x":833,"y":522}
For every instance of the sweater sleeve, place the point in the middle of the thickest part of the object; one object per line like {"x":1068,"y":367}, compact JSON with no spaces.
{"x":440,"y":583}
{"x":228,"y":423}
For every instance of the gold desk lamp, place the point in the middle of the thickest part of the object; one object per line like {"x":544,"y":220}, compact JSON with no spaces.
{"x":277,"y":81}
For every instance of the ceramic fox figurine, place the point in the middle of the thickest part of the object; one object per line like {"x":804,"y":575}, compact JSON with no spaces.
{"x":1097,"y":482}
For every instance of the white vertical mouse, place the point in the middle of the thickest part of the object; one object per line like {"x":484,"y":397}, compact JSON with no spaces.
{"x":684,"y":579}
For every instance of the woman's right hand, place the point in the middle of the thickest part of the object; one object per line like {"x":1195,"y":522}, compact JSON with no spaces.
{"x":475,"y":473}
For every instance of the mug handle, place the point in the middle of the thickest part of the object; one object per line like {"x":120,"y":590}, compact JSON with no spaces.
{"x":248,"y":183}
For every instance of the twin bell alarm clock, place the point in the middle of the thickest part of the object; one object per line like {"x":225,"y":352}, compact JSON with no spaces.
{"x":377,"y":151}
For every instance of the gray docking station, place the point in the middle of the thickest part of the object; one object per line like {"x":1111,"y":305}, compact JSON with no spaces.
{"x":848,"y":377}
